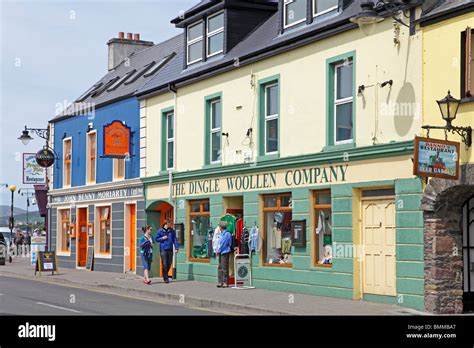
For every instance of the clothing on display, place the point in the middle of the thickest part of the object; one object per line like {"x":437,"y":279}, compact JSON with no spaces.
{"x":276,"y":236}
{"x":231,"y":223}
{"x":215,"y":239}
{"x":324,"y":236}
{"x":244,"y":242}
{"x":255,"y":240}
{"x":200,"y":227}
{"x":286,"y":246}
{"x":279,"y":237}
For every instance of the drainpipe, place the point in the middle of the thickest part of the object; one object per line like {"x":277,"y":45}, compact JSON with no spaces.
{"x":172,"y":89}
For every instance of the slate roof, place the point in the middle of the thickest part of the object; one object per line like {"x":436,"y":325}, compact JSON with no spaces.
{"x":263,"y":39}
{"x":439,"y":8}
{"x":137,"y":61}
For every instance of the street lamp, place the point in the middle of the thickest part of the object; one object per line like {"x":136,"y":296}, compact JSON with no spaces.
{"x":12,"y":219}
{"x":367,"y":18}
{"x":25,"y":136}
{"x":449,"y":108}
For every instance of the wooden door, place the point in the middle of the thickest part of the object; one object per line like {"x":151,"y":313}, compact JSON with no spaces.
{"x":82,"y":237}
{"x":133,"y":232}
{"x":378,"y":238}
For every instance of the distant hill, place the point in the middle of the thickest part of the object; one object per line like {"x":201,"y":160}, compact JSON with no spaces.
{"x":20,"y":215}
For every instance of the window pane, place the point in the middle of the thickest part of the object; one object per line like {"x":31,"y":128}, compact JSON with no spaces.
{"x":205,"y":206}
{"x":295,"y":11}
{"x":285,"y":201}
{"x":272,"y":135}
{"x":278,"y":237}
{"x":216,"y":43}
{"x":270,"y":201}
{"x":195,"y":51}
{"x":323,"y":198}
{"x":216,"y":114}
{"x":272,"y":100}
{"x":324,"y":236}
{"x":215,"y":146}
{"x":199,"y":229}
{"x":195,"y":207}
{"x":170,"y":125}
{"x":195,"y":31}
{"x":215,"y":23}
{"x":344,"y":81}
{"x":323,"y":5}
{"x":170,"y":161}
{"x":344,"y":121}
{"x":92,"y":178}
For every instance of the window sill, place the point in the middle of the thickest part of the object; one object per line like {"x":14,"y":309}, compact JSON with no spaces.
{"x":212,"y":165}
{"x":285,"y":265}
{"x":63,"y":253}
{"x":330,"y":148}
{"x":103,"y":256}
{"x":321,"y":265}
{"x":200,"y":260}
{"x":264,"y":158}
{"x":467,"y":100}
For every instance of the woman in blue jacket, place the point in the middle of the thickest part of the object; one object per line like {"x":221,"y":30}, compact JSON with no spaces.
{"x":146,"y":249}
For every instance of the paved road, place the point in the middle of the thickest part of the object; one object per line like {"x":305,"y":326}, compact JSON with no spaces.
{"x":29,"y":297}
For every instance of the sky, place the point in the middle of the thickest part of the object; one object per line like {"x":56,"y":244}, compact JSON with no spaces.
{"x":51,"y":52}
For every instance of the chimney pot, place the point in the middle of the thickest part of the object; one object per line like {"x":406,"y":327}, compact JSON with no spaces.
{"x":121,"y":35}
{"x":129,"y":36}
{"x":136,"y":37}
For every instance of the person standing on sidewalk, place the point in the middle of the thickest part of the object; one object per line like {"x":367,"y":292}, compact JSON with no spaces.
{"x":146,"y":249}
{"x":166,"y":236}
{"x":223,"y":250}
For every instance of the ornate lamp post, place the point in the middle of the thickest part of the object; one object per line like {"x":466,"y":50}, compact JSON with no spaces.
{"x":12,"y":218}
{"x":449,"y":108}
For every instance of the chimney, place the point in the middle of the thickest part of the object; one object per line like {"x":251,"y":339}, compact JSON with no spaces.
{"x":121,"y":48}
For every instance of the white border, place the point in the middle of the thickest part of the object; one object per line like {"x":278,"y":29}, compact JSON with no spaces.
{"x":214,"y":33}
{"x":88,"y":182}
{"x":285,"y":4}
{"x":64,"y":167}
{"x":59,"y":227}
{"x":196,"y":40}
{"x":342,"y":102}
{"x":97,"y":231}
{"x":271,"y":118}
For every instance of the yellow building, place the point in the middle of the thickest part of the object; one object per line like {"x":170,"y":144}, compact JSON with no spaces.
{"x":291,"y":118}
{"x":448,"y":53}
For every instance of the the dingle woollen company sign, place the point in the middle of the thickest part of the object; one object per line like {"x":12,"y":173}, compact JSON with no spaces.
{"x":116,"y":140}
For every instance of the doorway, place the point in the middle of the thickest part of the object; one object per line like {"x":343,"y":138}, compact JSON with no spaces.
{"x":130,"y":239}
{"x":378,"y":241}
{"x":81,"y":237}
{"x":468,"y":254}
{"x":166,"y":214}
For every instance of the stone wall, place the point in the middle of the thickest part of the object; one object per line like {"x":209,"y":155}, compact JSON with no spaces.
{"x":442,"y":205}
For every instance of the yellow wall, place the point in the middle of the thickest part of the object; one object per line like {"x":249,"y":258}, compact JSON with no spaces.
{"x":303,"y":99}
{"x":442,"y":72}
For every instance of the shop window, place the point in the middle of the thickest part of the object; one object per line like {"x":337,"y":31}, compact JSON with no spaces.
{"x":199,"y":222}
{"x":277,"y":218}
{"x":104,"y":230}
{"x":119,"y":168}
{"x":91,"y":157}
{"x":67,"y":162}
{"x":215,"y":34}
{"x":64,"y":239}
{"x":323,"y":227}
{"x":321,"y":7}
{"x":294,"y":12}
{"x":195,"y":42}
{"x":467,"y":64}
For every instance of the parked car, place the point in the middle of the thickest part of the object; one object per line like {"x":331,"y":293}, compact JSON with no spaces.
{"x":3,"y":249}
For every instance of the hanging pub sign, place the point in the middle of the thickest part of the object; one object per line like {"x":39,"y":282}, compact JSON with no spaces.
{"x":436,"y":158}
{"x":33,"y":173}
{"x":116,"y":140}
{"x":45,"y":158}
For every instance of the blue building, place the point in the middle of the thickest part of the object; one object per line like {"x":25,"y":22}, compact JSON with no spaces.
{"x":97,"y":201}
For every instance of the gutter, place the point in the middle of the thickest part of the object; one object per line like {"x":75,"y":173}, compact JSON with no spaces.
{"x":447,"y":14}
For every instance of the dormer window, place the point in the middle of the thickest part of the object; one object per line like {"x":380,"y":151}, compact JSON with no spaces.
{"x":294,"y":12}
{"x":321,"y":7}
{"x":195,"y":42}
{"x":215,"y":34}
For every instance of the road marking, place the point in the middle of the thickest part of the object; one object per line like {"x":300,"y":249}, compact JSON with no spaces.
{"x":58,"y":307}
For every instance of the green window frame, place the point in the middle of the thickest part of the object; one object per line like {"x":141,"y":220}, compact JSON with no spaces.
{"x":267,"y":117}
{"x":213,"y":130}
{"x":333,"y":101}
{"x":167,"y":139}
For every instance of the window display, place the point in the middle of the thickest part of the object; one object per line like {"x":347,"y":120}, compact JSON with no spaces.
{"x":104,"y":230}
{"x":64,"y":237}
{"x":278,"y":240}
{"x":200,"y":223}
{"x":323,"y":237}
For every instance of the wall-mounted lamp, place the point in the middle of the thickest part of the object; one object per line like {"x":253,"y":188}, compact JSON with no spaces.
{"x":225,"y":134}
{"x":90,"y":127}
{"x":249,"y":131}
{"x":388,"y":82}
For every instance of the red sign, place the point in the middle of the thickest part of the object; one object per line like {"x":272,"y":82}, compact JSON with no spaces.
{"x":116,"y":140}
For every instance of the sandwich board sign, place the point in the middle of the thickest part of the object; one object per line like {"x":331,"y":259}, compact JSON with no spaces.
{"x":242,"y":272}
{"x":46,"y":261}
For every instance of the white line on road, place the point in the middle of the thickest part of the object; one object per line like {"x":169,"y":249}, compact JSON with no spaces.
{"x":58,"y":307}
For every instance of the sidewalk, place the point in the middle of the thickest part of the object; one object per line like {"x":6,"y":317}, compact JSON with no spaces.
{"x":205,"y":295}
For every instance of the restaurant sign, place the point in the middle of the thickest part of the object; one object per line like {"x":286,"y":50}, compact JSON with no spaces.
{"x":436,"y":158}
{"x":99,"y":195}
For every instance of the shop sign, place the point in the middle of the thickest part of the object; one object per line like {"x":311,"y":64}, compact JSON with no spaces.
{"x":271,"y":180}
{"x":100,"y":195}
{"x":116,"y":140}
{"x":33,"y":173}
{"x":45,"y":158}
{"x":436,"y":158}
